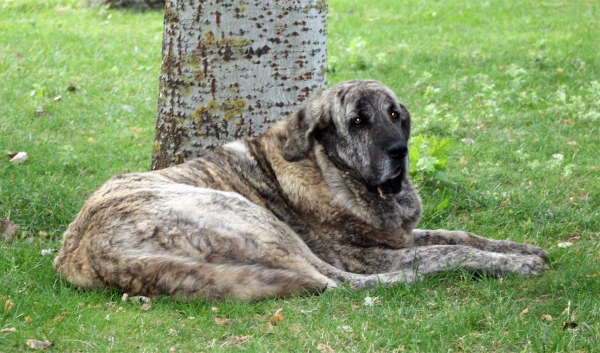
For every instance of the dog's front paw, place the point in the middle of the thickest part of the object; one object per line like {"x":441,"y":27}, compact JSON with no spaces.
{"x":529,"y":265}
{"x":510,"y":247}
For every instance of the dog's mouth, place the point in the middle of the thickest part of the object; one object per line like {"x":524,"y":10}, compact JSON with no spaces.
{"x":393,"y":185}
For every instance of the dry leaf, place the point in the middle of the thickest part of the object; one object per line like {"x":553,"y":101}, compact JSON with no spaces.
{"x":8,"y":304}
{"x":35,"y":344}
{"x":221,"y":320}
{"x":57,"y":98}
{"x":8,"y":229}
{"x":569,"y":325}
{"x":8,"y":330}
{"x":19,"y":158}
{"x":346,"y":328}
{"x":59,"y":319}
{"x":564,"y":244}
{"x":547,"y":318}
{"x":523,"y":313}
{"x":266,"y":327}
{"x":558,"y":156}
{"x":214,"y":309}
{"x":371,"y":301}
{"x":45,"y":252}
{"x":240,"y":339}
{"x":146,"y":306}
{"x":560,"y":70}
{"x":278,"y":317}
{"x":172,"y":350}
{"x":584,"y":197}
{"x":468,"y":140}
{"x":119,"y":309}
{"x":28,"y":319}
{"x":323,"y":348}
{"x":463,"y":161}
{"x":173,"y":332}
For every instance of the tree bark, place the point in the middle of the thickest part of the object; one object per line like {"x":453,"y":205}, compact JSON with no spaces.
{"x":130,"y":4}
{"x":233,"y":67}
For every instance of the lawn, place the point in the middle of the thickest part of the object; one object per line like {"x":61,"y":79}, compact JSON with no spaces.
{"x":515,"y":86}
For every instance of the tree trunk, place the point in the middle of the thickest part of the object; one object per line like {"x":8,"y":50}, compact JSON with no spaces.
{"x":233,"y":67}
{"x":130,"y":4}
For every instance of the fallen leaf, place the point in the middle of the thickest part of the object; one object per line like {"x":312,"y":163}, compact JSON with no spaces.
{"x":146,"y":306}
{"x":560,"y":70}
{"x":569,"y":325}
{"x":240,"y":339}
{"x":371,"y":301}
{"x":8,"y":304}
{"x":57,"y":98}
{"x":266,"y":327}
{"x":119,"y":309}
{"x":323,"y":348}
{"x":278,"y":316}
{"x":8,"y":330}
{"x":20,"y":56}
{"x":463,"y":161}
{"x":172,"y":350}
{"x":214,"y":309}
{"x":58,"y":319}
{"x":523,"y":313}
{"x":468,"y":140}
{"x":547,"y":318}
{"x":558,"y":156}
{"x":28,"y":319}
{"x":91,"y":139}
{"x":8,"y":229}
{"x":346,"y":328}
{"x":45,"y":252}
{"x":173,"y":332}
{"x":221,"y":320}
{"x":564,"y":244}
{"x":35,"y":344}
{"x":584,"y":197}
{"x":19,"y":158}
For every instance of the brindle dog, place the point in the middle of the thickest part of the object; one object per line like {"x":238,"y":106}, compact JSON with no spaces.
{"x":319,"y":199}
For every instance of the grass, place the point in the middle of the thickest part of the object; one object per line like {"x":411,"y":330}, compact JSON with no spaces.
{"x":519,"y":79}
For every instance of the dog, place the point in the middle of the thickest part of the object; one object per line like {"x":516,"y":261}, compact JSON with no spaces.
{"x":319,"y":199}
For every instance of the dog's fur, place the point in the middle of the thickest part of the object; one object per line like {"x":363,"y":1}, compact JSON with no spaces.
{"x":317,"y":200}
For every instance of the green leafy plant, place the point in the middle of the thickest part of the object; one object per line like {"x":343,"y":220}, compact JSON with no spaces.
{"x":428,"y":157}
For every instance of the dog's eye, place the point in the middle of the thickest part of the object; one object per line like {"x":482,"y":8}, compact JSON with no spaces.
{"x":395,"y":115}
{"x":358,"y":121}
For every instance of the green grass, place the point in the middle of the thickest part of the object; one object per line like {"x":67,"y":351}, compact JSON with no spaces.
{"x":519,"y":78}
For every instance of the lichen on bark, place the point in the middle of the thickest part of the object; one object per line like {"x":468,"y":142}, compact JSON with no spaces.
{"x":233,"y":67}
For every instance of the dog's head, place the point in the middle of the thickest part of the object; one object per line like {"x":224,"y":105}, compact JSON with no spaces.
{"x":363,"y":128}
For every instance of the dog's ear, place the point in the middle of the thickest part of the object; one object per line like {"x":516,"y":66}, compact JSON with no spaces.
{"x":301,"y":127}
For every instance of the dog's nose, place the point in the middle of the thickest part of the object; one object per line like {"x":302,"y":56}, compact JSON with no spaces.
{"x":397,"y":150}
